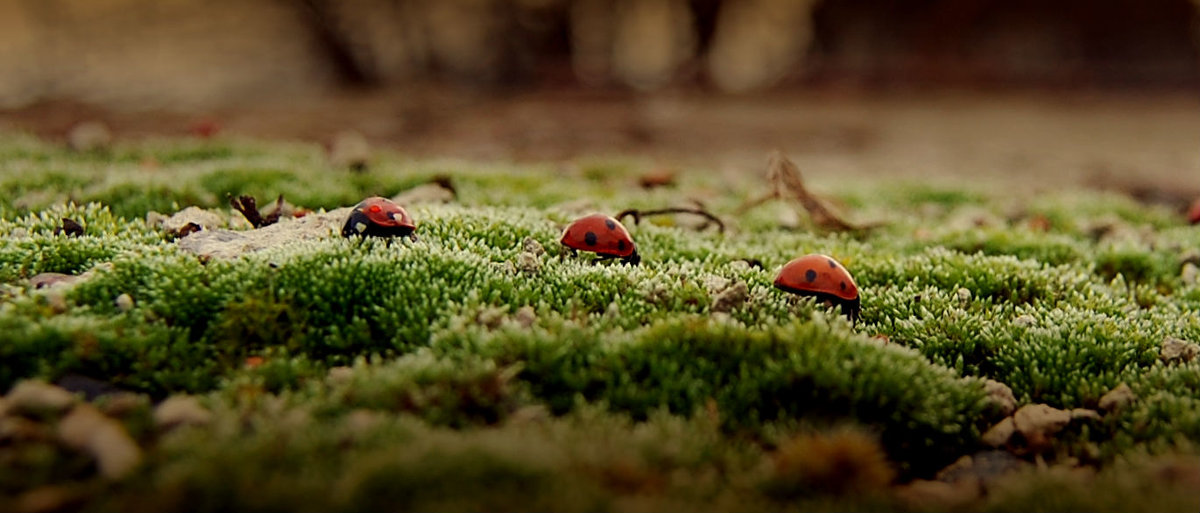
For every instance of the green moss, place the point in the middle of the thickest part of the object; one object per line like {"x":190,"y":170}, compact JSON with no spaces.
{"x":450,"y":358}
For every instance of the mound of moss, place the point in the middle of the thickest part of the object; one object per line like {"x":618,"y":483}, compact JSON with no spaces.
{"x":471,"y":370}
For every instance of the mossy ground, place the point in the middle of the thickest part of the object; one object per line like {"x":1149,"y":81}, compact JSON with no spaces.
{"x":413,"y":375}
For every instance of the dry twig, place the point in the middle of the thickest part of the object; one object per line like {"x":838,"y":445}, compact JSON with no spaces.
{"x":698,"y":210}
{"x":788,"y":184}
{"x":249,"y":209}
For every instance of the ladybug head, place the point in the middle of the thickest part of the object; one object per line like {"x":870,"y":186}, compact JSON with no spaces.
{"x":851,"y":308}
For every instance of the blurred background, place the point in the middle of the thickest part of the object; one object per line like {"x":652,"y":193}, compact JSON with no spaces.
{"x":1081,"y":90}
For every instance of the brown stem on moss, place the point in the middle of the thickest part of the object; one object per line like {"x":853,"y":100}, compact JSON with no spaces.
{"x":273,"y":217}
{"x":700,"y":211}
{"x":249,"y":209}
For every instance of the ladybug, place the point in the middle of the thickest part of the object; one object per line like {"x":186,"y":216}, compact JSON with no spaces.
{"x":379,"y":217}
{"x":602,"y":235}
{"x":821,"y":277}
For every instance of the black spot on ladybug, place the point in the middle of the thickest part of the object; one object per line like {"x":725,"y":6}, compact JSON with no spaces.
{"x":832,"y":264}
{"x":612,"y":225}
{"x":590,"y":238}
{"x":810,"y":275}
{"x":620,"y":245}
{"x":842,"y":285}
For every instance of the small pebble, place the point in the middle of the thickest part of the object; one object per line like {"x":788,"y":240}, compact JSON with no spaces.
{"x":47,"y":280}
{"x":525,"y":316}
{"x":1177,"y":350}
{"x":964,"y":297}
{"x":1117,"y":398}
{"x":491,"y":316}
{"x":732,"y":297}
{"x":1001,"y":395}
{"x":181,"y":410}
{"x":39,"y":396}
{"x":531,"y":245}
{"x":339,"y":375}
{"x":124,"y":302}
{"x":105,"y":439}
{"x":1024,"y":321}
{"x":999,"y":434}
{"x":1189,"y":273}
{"x":1040,"y":420}
{"x":528,"y":262}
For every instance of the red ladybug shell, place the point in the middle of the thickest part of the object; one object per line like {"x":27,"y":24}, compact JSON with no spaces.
{"x":817,"y":274}
{"x":600,"y":234}
{"x":384,"y":212}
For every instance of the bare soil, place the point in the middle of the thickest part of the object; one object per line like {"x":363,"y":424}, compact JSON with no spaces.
{"x":1144,"y":144}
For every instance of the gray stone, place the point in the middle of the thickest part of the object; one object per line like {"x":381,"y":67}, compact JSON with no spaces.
{"x":231,"y":244}
{"x":179,"y":221}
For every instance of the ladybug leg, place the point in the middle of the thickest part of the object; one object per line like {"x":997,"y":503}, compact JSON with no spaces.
{"x":413,"y":237}
{"x":601,"y":258}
